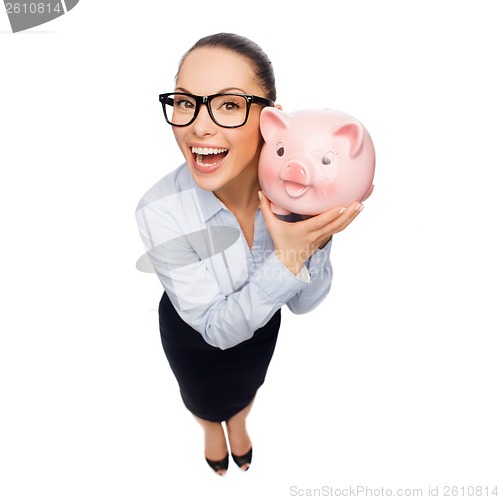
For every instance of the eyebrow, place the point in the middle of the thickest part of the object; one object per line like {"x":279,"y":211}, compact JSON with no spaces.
{"x":222,"y":91}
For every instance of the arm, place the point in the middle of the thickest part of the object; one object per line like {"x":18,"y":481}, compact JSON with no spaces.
{"x":196,"y":290}
{"x":308,"y":243}
{"x":320,"y":273}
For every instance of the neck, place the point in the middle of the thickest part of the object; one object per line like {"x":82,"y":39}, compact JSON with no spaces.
{"x":241,"y":194}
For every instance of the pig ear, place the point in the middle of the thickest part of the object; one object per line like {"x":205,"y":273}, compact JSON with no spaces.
{"x":354,"y":133}
{"x":272,"y":120}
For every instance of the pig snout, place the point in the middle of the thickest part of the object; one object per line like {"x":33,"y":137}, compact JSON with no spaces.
{"x":296,"y":178}
{"x":295,"y":171}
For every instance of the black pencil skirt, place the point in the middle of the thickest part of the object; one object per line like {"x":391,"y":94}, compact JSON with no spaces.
{"x":215,"y":384}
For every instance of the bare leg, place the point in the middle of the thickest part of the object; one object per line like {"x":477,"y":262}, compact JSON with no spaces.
{"x":239,"y":439}
{"x":215,"y":441}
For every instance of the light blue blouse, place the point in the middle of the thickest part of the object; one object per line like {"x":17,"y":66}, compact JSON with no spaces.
{"x":218,"y":285}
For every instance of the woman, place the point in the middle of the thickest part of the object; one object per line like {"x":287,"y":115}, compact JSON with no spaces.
{"x":226,"y":262}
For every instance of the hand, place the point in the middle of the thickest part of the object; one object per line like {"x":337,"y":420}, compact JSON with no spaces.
{"x":295,"y":242}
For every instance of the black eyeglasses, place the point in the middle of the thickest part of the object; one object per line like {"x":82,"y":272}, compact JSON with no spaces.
{"x":226,"y":110}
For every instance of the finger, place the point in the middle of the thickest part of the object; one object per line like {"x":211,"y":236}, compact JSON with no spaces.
{"x":319,"y":221}
{"x":264,"y":200}
{"x":340,"y":223}
{"x":329,"y":222}
{"x":265,"y":208}
{"x":346,"y":223}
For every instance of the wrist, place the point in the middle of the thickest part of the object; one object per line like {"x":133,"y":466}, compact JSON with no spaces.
{"x":293,"y":264}
{"x":324,"y":243}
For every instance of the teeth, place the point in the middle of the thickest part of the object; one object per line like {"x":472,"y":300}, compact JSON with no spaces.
{"x":207,"y":151}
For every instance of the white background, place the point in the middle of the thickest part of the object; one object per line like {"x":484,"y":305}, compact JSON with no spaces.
{"x":392,"y":382}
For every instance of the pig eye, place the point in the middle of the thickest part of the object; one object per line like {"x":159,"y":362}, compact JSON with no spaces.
{"x":328,"y":158}
{"x":280,"y":150}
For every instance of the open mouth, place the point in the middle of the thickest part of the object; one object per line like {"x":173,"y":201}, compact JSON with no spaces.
{"x":208,"y":157}
{"x":295,"y":189}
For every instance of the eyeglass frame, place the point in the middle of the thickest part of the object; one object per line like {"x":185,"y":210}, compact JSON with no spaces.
{"x":199,"y":100}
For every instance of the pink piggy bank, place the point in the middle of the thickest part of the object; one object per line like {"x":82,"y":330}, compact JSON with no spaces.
{"x":314,"y":160}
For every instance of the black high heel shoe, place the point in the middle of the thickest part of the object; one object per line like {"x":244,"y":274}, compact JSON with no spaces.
{"x":218,"y":465}
{"x":240,"y":461}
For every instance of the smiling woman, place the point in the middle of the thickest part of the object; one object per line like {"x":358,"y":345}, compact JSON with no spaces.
{"x":228,"y":119}
{"x":220,"y":312}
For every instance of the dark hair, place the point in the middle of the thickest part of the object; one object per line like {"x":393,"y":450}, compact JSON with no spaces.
{"x":246,"y":48}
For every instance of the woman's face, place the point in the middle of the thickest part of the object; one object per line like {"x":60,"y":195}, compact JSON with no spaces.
{"x":207,"y":71}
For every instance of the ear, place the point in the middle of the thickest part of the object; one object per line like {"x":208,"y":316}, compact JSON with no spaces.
{"x":354,"y":133}
{"x":273,"y":120}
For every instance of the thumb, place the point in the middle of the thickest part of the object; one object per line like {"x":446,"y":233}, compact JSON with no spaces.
{"x":265,"y":208}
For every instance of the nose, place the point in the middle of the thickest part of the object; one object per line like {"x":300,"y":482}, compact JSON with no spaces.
{"x":295,"y":171}
{"x":203,"y":124}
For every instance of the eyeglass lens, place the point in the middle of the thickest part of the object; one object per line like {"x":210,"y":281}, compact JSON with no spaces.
{"x":227,"y":110}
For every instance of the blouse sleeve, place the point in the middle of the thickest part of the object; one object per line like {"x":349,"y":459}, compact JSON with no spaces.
{"x":180,"y":259}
